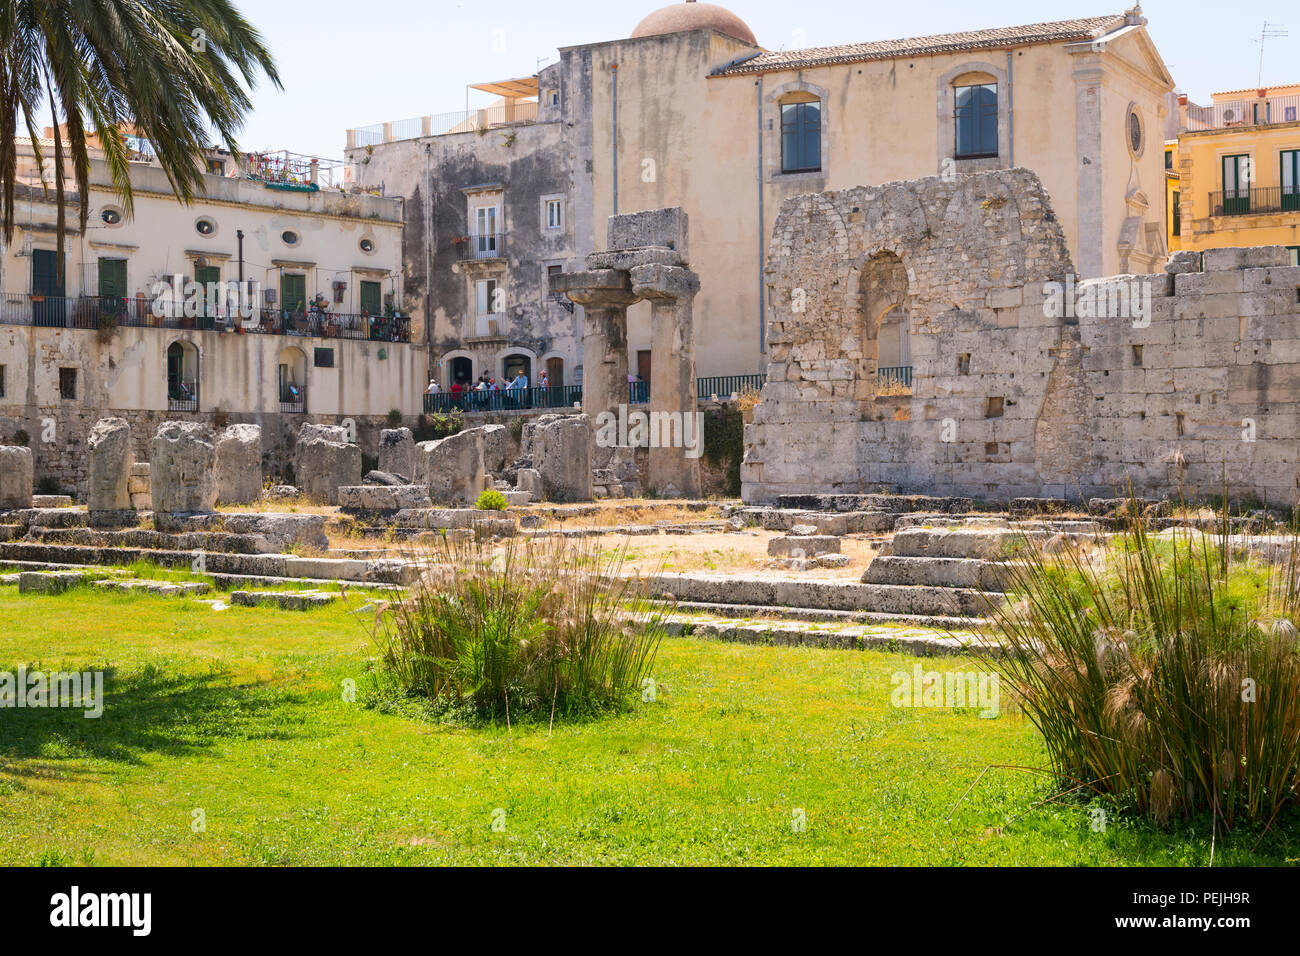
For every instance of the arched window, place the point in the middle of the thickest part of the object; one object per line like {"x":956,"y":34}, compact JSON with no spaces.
{"x":801,"y":133}
{"x":292,"y":380}
{"x":976,"y":118}
{"x":182,"y":377}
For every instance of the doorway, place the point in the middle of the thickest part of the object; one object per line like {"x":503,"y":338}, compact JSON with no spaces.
{"x":48,"y":305}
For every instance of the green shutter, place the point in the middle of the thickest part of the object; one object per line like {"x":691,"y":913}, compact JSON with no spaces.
{"x":112,"y":278}
{"x":371,"y":297}
{"x":293,"y":292}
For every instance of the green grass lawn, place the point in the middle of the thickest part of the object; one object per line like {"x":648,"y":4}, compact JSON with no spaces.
{"x":240,"y":713}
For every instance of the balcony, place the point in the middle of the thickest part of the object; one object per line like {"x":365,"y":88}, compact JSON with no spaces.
{"x":566,"y":396}
{"x":488,"y":246}
{"x":894,"y":380}
{"x":183,"y":397}
{"x":1255,"y":201}
{"x":106,"y":312}
{"x":1246,"y":112}
{"x":444,"y":124}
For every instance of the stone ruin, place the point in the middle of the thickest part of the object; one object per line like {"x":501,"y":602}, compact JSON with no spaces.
{"x":183,"y":468}
{"x":16,"y":477}
{"x":109,"y":467}
{"x":239,"y":465}
{"x":1025,"y":381}
{"x":324,"y":461}
{"x":647,"y":258}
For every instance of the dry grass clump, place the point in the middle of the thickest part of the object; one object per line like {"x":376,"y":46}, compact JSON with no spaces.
{"x":1165,"y":675}
{"x":528,"y":625}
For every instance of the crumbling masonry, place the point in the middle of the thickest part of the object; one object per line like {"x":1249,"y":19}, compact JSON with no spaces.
{"x":1012,"y":395}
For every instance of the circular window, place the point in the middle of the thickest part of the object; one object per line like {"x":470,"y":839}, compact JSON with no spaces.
{"x":290,"y":237}
{"x":111,"y":216}
{"x":205,"y":227}
{"x":1134,"y":132}
{"x":367,"y":246}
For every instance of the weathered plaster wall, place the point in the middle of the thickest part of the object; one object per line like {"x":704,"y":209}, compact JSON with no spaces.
{"x":1008,"y":398}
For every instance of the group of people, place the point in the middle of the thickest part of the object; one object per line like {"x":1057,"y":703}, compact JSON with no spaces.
{"x":480,"y":394}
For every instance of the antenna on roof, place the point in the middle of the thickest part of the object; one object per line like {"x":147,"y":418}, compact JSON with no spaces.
{"x":1271,"y":31}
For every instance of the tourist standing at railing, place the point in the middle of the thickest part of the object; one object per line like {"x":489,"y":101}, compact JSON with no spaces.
{"x":433,"y":388}
{"x":518,"y":385}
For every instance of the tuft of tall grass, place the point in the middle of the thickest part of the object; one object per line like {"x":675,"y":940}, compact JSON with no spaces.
{"x":545,"y":625}
{"x":1163,"y":670}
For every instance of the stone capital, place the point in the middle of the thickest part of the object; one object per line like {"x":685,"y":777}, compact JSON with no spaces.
{"x":597,"y":289}
{"x":656,"y":281}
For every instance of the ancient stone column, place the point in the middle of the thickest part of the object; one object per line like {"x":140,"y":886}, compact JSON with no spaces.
{"x":604,"y":295}
{"x":676,"y":436}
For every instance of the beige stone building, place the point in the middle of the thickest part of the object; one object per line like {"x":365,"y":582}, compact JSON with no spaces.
{"x":689,"y":110}
{"x":264,"y":301}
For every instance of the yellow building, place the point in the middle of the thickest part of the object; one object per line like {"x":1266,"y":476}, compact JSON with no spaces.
{"x":1238,"y":171}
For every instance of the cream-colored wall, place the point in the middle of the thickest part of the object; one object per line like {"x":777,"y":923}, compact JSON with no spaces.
{"x":882,"y":121}
{"x":237,"y":373}
{"x":161,"y":239}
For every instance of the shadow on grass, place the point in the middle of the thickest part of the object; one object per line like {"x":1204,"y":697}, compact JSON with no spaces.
{"x":151,"y":712}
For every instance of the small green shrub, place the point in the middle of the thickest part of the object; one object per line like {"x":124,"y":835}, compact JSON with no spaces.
{"x":394,"y":417}
{"x":22,"y":438}
{"x":489,"y":500}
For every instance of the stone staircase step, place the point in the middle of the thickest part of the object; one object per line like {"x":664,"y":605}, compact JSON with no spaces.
{"x":833,"y":595}
{"x":920,"y":642}
{"x":937,"y":572}
{"x":990,"y":543}
{"x":935,"y":621}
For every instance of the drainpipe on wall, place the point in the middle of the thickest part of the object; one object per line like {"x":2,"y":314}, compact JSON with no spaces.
{"x":1011,"y":113}
{"x":762,"y":300}
{"x":428,"y":264}
{"x":614,"y":136}
{"x":239,"y":239}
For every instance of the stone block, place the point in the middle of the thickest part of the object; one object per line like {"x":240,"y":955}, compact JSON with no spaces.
{"x":1250,"y":257}
{"x":324,"y":461}
{"x":182,"y":468}
{"x":383,"y":497}
{"x":666,"y":228}
{"x":453,"y":468}
{"x":239,"y":465}
{"x":560,"y":447}
{"x":108,"y":463}
{"x":16,"y":477}
{"x":808,"y":546}
{"x":529,"y":481}
{"x":397,"y":452}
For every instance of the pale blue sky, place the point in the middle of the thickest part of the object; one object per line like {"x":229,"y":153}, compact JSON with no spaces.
{"x":346,"y":63}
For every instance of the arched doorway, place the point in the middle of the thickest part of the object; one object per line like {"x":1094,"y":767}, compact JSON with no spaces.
{"x":884,"y":293}
{"x":292,"y":380}
{"x":461,"y":370}
{"x":182,"y":377}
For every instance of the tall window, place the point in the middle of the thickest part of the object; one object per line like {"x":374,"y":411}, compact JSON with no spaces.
{"x":485,"y":235}
{"x":487,"y":304}
{"x":1236,"y":184}
{"x":801,"y":137}
{"x":554,"y":213}
{"x":1178,"y":214}
{"x":977,"y":120}
{"x":1290,"y":180}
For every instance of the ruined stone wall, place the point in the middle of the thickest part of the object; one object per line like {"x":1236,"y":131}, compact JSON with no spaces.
{"x":1009,"y":396}
{"x":57,"y":435}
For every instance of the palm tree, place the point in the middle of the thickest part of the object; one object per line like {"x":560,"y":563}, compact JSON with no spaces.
{"x":164,"y":68}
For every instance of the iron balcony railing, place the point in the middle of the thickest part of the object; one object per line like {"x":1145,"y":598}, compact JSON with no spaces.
{"x":895,"y":375}
{"x":491,"y":245}
{"x":726,"y":386}
{"x":561,"y":396}
{"x":1255,"y":200}
{"x":94,"y":312}
{"x":183,"y":397}
{"x":508,"y":399}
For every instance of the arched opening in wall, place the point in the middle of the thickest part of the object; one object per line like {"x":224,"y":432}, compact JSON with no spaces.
{"x":462,"y":371}
{"x":554,"y":371}
{"x":182,"y":377}
{"x":886,"y":355}
{"x":514,"y":365}
{"x":292,"y":380}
